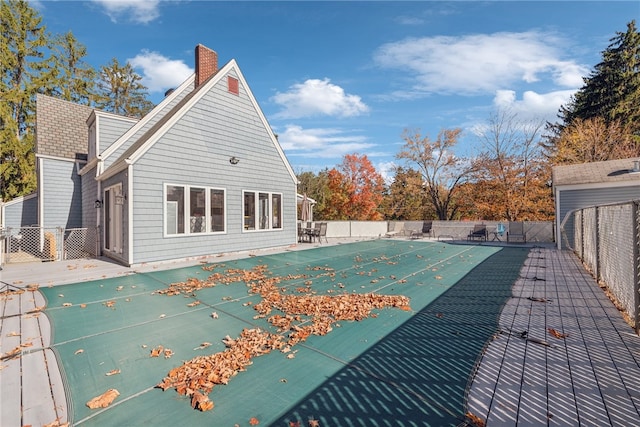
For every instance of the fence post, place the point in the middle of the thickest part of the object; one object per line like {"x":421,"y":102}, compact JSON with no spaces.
{"x":98,"y":243}
{"x":636,"y":261}
{"x":597,"y":248}
{"x":60,"y":242}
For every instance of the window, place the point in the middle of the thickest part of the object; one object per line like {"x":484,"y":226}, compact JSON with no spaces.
{"x":276,"y":210}
{"x":197,"y":210}
{"x":217,"y":210}
{"x":175,"y":210}
{"x":262,"y":211}
{"x":249,"y":210}
{"x":194,"y":210}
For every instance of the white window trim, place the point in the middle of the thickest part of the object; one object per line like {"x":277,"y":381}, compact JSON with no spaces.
{"x":256,"y":195}
{"x":187,"y":214}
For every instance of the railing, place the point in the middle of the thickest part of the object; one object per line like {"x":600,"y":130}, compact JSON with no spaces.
{"x":607,"y":240}
{"x":28,"y":244}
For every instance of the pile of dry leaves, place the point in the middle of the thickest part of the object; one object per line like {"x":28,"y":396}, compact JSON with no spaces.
{"x":301,"y":315}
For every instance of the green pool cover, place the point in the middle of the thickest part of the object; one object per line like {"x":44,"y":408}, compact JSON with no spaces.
{"x":398,"y":367}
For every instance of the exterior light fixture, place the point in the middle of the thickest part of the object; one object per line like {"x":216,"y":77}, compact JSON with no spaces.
{"x":97,"y":204}
{"x":234,"y":160}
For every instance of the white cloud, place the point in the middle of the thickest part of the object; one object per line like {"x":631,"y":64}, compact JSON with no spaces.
{"x":533,"y":105}
{"x":140,"y":11}
{"x":387,"y":170}
{"x":320,"y":142}
{"x":160,"y":73}
{"x":317,"y":97}
{"x":480,"y":63}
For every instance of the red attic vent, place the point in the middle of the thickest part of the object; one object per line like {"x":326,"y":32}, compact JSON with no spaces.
{"x":232,"y":82}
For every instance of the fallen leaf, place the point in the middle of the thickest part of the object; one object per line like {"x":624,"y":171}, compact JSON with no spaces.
{"x":203,"y":345}
{"x":201,"y":402}
{"x":557,"y":334}
{"x":314,"y":423}
{"x":79,"y":351}
{"x":67,"y":304}
{"x":104,"y":399}
{"x":56,"y":423}
{"x":214,"y":315}
{"x":476,"y":420}
{"x":254,"y":421}
{"x":156,"y":351}
{"x":113,"y":372}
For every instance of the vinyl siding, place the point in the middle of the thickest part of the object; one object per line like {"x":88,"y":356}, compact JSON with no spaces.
{"x":196,"y":151}
{"x":20,"y":212}
{"x":110,"y":128}
{"x":143,"y":129}
{"x":574,"y":199}
{"x":61,"y":193}
{"x":89,"y":196}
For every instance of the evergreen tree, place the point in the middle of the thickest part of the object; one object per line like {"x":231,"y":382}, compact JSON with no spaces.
{"x":120,"y":90}
{"x":23,"y":42}
{"x":612,"y":90}
{"x":75,"y":79}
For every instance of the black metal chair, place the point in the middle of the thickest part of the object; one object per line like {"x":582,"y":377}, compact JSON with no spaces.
{"x":479,"y":232}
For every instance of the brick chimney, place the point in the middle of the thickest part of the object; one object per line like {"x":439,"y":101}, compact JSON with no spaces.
{"x":206,"y":64}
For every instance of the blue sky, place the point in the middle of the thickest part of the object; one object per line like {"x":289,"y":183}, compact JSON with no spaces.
{"x":336,"y":78}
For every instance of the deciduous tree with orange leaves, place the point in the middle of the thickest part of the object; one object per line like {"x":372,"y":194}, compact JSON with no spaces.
{"x":355,"y":190}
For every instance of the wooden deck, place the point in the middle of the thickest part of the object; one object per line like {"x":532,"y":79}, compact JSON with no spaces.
{"x":587,"y":374}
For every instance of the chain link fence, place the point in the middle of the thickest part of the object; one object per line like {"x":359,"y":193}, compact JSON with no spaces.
{"x":29,"y":244}
{"x":607,"y":240}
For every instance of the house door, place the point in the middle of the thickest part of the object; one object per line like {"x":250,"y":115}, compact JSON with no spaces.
{"x":113,"y":230}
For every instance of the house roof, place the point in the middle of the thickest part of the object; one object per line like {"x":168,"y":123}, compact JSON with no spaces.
{"x":53,"y":139}
{"x":612,"y":172}
{"x":146,"y":141}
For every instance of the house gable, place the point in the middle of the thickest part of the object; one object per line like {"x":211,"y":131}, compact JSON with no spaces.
{"x":142,"y":145}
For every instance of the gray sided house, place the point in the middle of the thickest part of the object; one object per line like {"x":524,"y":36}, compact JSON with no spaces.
{"x":201,"y":174}
{"x":590,"y":184}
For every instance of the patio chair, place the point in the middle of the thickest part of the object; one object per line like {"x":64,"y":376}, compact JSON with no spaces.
{"x":479,"y":232}
{"x":301,"y":234}
{"x":395,"y":228}
{"x":426,"y":229}
{"x":323,"y":232}
{"x":516,"y":232}
{"x":319,"y":232}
